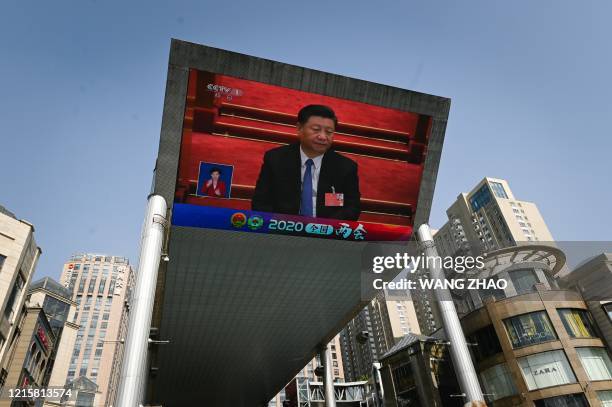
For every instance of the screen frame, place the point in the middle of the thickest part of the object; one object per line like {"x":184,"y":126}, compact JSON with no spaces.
{"x":185,"y":56}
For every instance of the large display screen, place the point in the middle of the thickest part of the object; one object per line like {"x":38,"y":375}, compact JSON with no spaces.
{"x":246,"y":164}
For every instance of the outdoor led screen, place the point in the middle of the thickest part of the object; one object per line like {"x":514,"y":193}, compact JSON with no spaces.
{"x":368,"y":191}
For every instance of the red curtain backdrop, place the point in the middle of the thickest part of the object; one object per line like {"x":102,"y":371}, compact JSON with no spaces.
{"x":235,"y":121}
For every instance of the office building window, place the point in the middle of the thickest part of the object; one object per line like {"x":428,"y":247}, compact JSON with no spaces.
{"x":524,"y":280}
{"x":605,"y":397}
{"x":111,"y":286}
{"x":55,"y":308}
{"x":101,"y":287}
{"x":480,"y":198}
{"x":15,"y":292}
{"x":82,"y":281}
{"x":484,"y":343}
{"x":596,"y":362}
{"x":568,"y":400}
{"x":496,"y":293}
{"x":529,"y":329}
{"x":84,"y":399}
{"x":498,"y":190}
{"x":497,"y":382}
{"x":578,"y":323}
{"x":546,"y":369}
{"x":92,"y":285}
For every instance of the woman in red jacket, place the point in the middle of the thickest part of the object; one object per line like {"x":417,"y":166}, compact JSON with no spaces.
{"x":214,"y":186}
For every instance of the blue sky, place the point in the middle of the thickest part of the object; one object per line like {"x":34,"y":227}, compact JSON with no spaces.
{"x":82,"y":86}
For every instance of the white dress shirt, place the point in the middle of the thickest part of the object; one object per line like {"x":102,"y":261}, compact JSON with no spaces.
{"x":314,"y":172}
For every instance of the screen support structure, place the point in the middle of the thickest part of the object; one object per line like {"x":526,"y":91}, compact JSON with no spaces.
{"x":460,"y":355}
{"x":134,"y":368}
{"x":328,"y":377}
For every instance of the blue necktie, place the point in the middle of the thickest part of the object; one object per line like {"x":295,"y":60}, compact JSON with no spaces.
{"x":306,"y":203}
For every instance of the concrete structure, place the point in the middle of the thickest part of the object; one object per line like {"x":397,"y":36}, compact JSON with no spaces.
{"x":256,"y":308}
{"x":417,"y":372}
{"x":348,"y":394}
{"x":100,"y":286}
{"x":487,"y":218}
{"x":533,"y":343}
{"x":32,"y":354}
{"x":593,"y":279}
{"x":55,"y":300}
{"x":309,"y":372}
{"x":84,"y":393}
{"x":375,"y":330}
{"x":18,"y":258}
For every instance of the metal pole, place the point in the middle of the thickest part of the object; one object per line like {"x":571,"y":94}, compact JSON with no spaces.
{"x":378,"y":384}
{"x":134,"y":369}
{"x":328,"y":377}
{"x":460,"y":355}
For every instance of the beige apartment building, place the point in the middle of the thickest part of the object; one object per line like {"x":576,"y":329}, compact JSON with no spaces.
{"x":19,"y":255}
{"x":490,"y":217}
{"x":100,"y":286}
{"x":487,"y":218}
{"x":375,"y":330}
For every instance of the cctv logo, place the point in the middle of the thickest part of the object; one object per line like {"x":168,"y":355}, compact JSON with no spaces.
{"x":225,"y":90}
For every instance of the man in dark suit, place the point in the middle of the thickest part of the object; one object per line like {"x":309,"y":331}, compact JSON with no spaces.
{"x":308,"y":178}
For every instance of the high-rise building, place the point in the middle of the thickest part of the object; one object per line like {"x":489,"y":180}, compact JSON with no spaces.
{"x":100,"y":286}
{"x":18,"y":258}
{"x":487,"y":218}
{"x":56,"y":302}
{"x":375,"y":330}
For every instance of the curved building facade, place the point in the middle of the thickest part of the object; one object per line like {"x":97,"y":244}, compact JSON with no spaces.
{"x":534,"y":344}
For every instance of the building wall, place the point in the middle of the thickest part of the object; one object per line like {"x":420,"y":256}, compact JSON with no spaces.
{"x":43,"y":294}
{"x":386,"y":319}
{"x":594,"y":279}
{"x":21,"y":362}
{"x":549,"y":301}
{"x":100,"y":286}
{"x":65,"y":347}
{"x":19,"y":256}
{"x":474,"y":230}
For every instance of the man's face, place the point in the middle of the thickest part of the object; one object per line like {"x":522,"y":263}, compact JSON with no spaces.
{"x":316,"y":135}
{"x":215,"y":176}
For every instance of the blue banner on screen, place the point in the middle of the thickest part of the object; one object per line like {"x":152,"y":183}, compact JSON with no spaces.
{"x":263,"y":222}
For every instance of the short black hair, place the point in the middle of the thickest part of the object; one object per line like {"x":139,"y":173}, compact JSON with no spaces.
{"x":316,"y":110}
{"x":215,"y":169}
